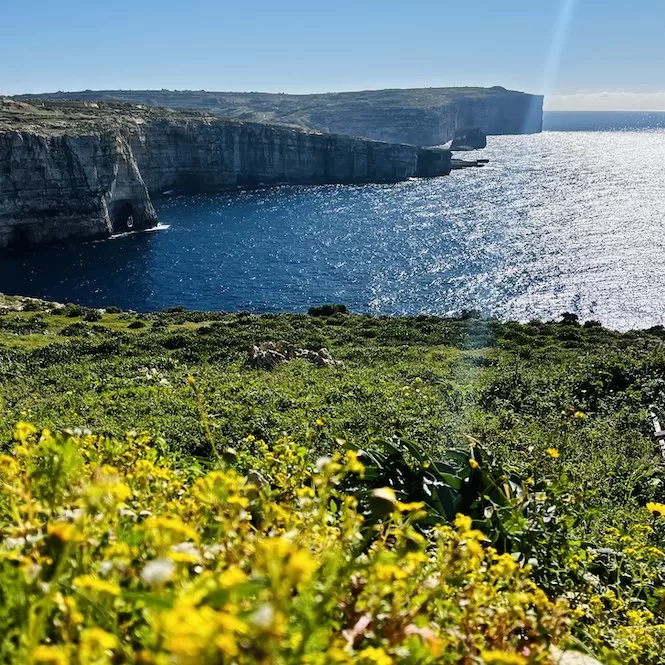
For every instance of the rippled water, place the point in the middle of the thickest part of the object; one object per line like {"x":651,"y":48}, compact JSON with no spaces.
{"x":562,"y":221}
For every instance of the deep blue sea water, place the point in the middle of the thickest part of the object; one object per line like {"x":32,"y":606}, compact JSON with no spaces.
{"x":569,"y":220}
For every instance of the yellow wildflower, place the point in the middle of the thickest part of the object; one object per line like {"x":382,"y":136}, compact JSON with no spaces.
{"x":410,"y":507}
{"x":91,"y":583}
{"x":473,"y":464}
{"x":463,"y":523}
{"x":301,"y":566}
{"x":553,"y":453}
{"x":387,"y":572}
{"x":227,"y":644}
{"x":95,"y":640}
{"x":320,"y":422}
{"x":23,"y":431}
{"x":502,"y":658}
{"x":579,"y":415}
{"x":50,"y":655}
{"x":8,"y":466}
{"x":172,"y":525}
{"x":231,"y":577}
{"x":352,"y":463}
{"x":656,"y":509}
{"x":63,"y":531}
{"x":375,"y":655}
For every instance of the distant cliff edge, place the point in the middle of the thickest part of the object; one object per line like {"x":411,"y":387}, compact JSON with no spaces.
{"x":418,"y":116}
{"x":82,"y":170}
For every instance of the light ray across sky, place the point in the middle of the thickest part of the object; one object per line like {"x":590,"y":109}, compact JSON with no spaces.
{"x":559,"y":38}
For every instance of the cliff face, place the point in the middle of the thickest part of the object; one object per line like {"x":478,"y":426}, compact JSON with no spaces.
{"x":419,"y":116}
{"x":212,"y":155}
{"x":58,"y":187}
{"x":80,"y":172}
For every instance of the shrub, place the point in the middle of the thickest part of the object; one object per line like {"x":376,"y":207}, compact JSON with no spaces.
{"x":570,"y":319}
{"x":75,"y":330}
{"x":32,"y":306}
{"x":468,"y":314}
{"x":112,"y":309}
{"x":328,"y":310}
{"x":137,"y":324}
{"x":92,"y":315}
{"x":71,"y":310}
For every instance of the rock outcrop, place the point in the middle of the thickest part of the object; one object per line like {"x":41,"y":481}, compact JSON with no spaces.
{"x":469,"y":139}
{"x":418,"y":116}
{"x":88,"y":170}
{"x":269,"y":356}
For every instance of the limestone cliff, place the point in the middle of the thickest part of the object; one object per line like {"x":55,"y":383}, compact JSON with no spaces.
{"x":418,"y":116}
{"x":78,"y":171}
{"x":58,"y":187}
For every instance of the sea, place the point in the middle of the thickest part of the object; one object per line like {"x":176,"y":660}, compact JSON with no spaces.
{"x":570,"y":220}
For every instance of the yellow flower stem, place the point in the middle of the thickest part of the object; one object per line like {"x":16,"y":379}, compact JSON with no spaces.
{"x":40,"y":610}
{"x":206,"y":423}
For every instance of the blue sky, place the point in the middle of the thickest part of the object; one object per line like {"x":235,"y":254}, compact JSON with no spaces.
{"x":591,"y":52}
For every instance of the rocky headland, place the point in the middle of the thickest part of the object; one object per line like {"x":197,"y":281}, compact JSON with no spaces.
{"x":418,"y":116}
{"x":83,"y":170}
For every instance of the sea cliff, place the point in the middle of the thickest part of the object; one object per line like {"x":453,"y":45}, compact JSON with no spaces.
{"x":418,"y":116}
{"x":88,"y":170}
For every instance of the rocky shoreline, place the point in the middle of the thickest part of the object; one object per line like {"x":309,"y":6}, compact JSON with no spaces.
{"x":76,"y":171}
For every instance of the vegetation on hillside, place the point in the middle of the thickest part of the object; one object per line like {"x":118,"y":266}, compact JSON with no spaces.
{"x":460,"y":491}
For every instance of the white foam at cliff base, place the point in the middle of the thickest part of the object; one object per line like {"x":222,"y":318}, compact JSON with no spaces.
{"x":124,"y":234}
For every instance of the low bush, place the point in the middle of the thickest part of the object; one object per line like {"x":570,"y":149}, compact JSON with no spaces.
{"x":92,"y":315}
{"x":328,"y":310}
{"x":71,"y":310}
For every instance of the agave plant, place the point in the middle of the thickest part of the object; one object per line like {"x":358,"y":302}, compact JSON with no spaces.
{"x":457,"y":481}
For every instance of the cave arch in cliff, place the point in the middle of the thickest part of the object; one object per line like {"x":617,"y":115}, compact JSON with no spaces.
{"x":121,"y":214}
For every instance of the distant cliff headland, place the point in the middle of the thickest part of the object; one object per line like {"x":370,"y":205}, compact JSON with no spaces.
{"x":418,"y":116}
{"x":78,"y":166}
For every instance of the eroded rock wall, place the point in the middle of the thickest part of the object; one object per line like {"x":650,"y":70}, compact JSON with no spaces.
{"x":92,"y":173}
{"x":209,"y":156}
{"x":59,"y":187}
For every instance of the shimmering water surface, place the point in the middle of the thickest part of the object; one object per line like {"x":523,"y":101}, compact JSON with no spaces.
{"x":562,"y":221}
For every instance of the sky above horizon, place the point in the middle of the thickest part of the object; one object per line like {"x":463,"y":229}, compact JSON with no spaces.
{"x":582,"y":54}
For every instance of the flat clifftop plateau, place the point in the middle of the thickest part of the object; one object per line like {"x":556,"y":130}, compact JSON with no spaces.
{"x":81,"y":170}
{"x":418,"y":116}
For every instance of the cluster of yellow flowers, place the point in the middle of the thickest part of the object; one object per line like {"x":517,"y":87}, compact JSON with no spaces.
{"x":116,"y":555}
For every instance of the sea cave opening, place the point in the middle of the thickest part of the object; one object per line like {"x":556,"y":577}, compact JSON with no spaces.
{"x":121,"y":214}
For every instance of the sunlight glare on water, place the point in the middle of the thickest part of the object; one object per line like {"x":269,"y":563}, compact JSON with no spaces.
{"x":561,"y":221}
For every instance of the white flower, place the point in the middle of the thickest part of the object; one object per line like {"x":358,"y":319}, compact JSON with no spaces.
{"x":14,"y":543}
{"x":187,"y":548}
{"x":157,"y":571}
{"x":105,"y":567}
{"x":322,"y":463}
{"x":263,"y":617}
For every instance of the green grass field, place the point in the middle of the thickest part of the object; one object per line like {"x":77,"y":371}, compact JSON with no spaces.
{"x":558,"y":407}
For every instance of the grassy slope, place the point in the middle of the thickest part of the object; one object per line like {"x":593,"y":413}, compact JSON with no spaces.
{"x":515,"y":387}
